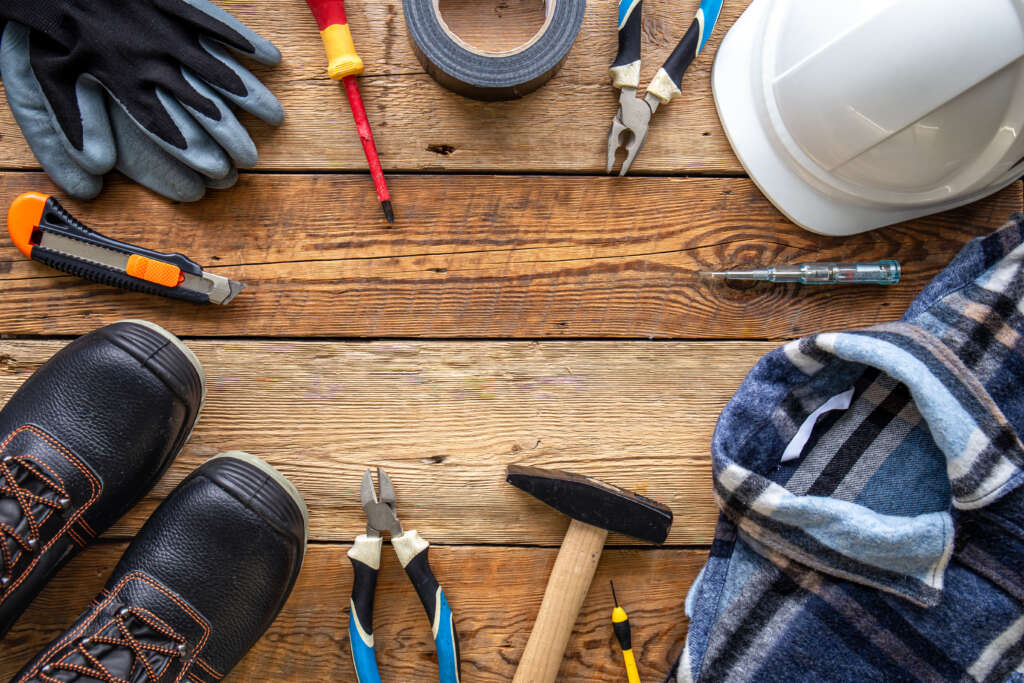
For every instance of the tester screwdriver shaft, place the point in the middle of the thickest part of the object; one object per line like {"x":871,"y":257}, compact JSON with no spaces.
{"x":875,"y":273}
{"x":343,"y":64}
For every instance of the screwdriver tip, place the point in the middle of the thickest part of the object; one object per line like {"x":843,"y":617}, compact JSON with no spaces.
{"x":389,"y":213}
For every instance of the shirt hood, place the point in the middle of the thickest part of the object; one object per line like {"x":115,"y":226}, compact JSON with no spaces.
{"x":911,"y":421}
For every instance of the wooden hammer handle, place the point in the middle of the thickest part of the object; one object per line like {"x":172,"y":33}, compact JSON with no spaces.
{"x":567,"y":587}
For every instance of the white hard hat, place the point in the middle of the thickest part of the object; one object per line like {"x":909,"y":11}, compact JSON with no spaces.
{"x":857,"y":114}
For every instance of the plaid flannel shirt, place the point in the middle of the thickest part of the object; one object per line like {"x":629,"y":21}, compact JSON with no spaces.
{"x":890,"y":546}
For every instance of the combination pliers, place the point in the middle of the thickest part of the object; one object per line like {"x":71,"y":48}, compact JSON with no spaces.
{"x":411,"y":549}
{"x":629,"y":127}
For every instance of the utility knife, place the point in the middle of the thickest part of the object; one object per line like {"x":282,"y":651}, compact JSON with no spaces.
{"x":44,"y":231}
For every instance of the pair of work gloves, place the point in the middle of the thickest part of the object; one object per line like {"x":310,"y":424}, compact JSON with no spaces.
{"x":144,"y":86}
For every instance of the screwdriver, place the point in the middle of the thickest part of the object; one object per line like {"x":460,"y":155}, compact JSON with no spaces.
{"x":620,"y":622}
{"x":343,"y":64}
{"x":875,"y":273}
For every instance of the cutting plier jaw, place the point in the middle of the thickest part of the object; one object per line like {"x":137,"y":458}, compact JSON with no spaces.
{"x":380,"y":512}
{"x":412,"y":551}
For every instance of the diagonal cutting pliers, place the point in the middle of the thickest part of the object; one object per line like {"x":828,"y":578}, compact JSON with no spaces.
{"x":411,"y":549}
{"x":629,"y":127}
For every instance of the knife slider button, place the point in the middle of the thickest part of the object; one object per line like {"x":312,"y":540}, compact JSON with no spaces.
{"x":157,"y":272}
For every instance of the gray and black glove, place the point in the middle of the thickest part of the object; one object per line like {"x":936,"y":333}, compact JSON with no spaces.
{"x":146,"y":85}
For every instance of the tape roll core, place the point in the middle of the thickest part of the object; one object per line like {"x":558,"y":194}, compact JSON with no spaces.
{"x":492,"y":75}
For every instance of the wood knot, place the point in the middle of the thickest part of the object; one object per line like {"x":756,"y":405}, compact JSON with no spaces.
{"x":443,"y":150}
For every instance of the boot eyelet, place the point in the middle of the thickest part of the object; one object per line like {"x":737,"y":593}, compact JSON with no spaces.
{"x":64,"y":503}
{"x":5,"y":579}
{"x":124,"y":612}
{"x":32,"y":543}
{"x":47,"y":670}
{"x":86,"y":642}
{"x":183,"y":649}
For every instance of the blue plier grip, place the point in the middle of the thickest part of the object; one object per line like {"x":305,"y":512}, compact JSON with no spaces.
{"x":412,"y":550}
{"x":446,"y":640}
{"x":365,"y":557}
{"x":707,"y":16}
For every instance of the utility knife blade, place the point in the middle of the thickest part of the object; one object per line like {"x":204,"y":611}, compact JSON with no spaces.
{"x":44,"y":231}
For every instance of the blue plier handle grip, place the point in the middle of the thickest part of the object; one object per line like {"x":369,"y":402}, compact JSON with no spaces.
{"x":365,"y":557}
{"x":412,"y":550}
{"x":666,"y":84}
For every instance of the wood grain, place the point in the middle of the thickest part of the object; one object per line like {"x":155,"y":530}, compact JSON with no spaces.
{"x":473,"y":257}
{"x":309,"y":640}
{"x":445,"y":419}
{"x":494,"y":26}
{"x":484,"y":256}
{"x":420,"y":126}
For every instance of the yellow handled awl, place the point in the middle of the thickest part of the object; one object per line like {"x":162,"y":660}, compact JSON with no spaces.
{"x":620,"y":622}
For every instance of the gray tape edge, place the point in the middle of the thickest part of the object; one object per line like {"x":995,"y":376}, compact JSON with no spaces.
{"x":492,"y":77}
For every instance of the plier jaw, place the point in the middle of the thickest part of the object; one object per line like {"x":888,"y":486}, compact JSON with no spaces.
{"x":630,"y":126}
{"x":380,"y":512}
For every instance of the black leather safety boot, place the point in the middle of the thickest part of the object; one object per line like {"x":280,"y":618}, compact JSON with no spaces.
{"x":197,"y":587}
{"x":83,"y":439}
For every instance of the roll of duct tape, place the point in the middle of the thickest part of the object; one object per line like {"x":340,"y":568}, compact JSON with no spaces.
{"x":492,"y":75}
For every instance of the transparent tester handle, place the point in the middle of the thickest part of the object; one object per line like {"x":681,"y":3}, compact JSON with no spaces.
{"x":873,"y":273}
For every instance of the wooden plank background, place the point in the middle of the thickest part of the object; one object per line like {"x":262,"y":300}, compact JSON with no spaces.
{"x":419,"y":126}
{"x":485,"y":257}
{"x":525,"y":309}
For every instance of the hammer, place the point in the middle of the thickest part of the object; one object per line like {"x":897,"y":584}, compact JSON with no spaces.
{"x":595,"y":508}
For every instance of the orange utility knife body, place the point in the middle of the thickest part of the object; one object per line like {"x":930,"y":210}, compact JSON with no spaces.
{"x":44,"y":231}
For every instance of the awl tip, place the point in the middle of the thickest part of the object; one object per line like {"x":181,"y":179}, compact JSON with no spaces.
{"x":389,"y":213}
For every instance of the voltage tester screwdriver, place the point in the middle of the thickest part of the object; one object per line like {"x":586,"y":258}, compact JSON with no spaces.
{"x":343,"y":64}
{"x":876,"y":273}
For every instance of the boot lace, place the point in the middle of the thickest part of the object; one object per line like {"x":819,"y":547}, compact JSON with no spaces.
{"x":127,"y":619}
{"x":26,"y":499}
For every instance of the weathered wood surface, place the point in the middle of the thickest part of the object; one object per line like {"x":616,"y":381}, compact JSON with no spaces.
{"x":309,"y":640}
{"x":473,"y":256}
{"x":445,"y":419}
{"x":483,"y":256}
{"x":494,"y":26}
{"x":420,"y":126}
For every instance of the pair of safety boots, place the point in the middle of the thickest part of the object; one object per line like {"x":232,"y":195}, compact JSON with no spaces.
{"x":83,"y":440}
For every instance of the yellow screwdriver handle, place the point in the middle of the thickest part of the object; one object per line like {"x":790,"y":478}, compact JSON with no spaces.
{"x":342,"y":59}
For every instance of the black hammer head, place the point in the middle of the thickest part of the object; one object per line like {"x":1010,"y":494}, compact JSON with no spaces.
{"x":595,"y":502}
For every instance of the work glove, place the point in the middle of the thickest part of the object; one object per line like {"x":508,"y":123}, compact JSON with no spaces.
{"x":146,"y":85}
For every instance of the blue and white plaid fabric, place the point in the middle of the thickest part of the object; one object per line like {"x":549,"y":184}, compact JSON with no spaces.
{"x":892,"y":547}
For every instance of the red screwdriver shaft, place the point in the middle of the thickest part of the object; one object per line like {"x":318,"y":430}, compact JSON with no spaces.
{"x":355,"y":101}
{"x":343,"y":64}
